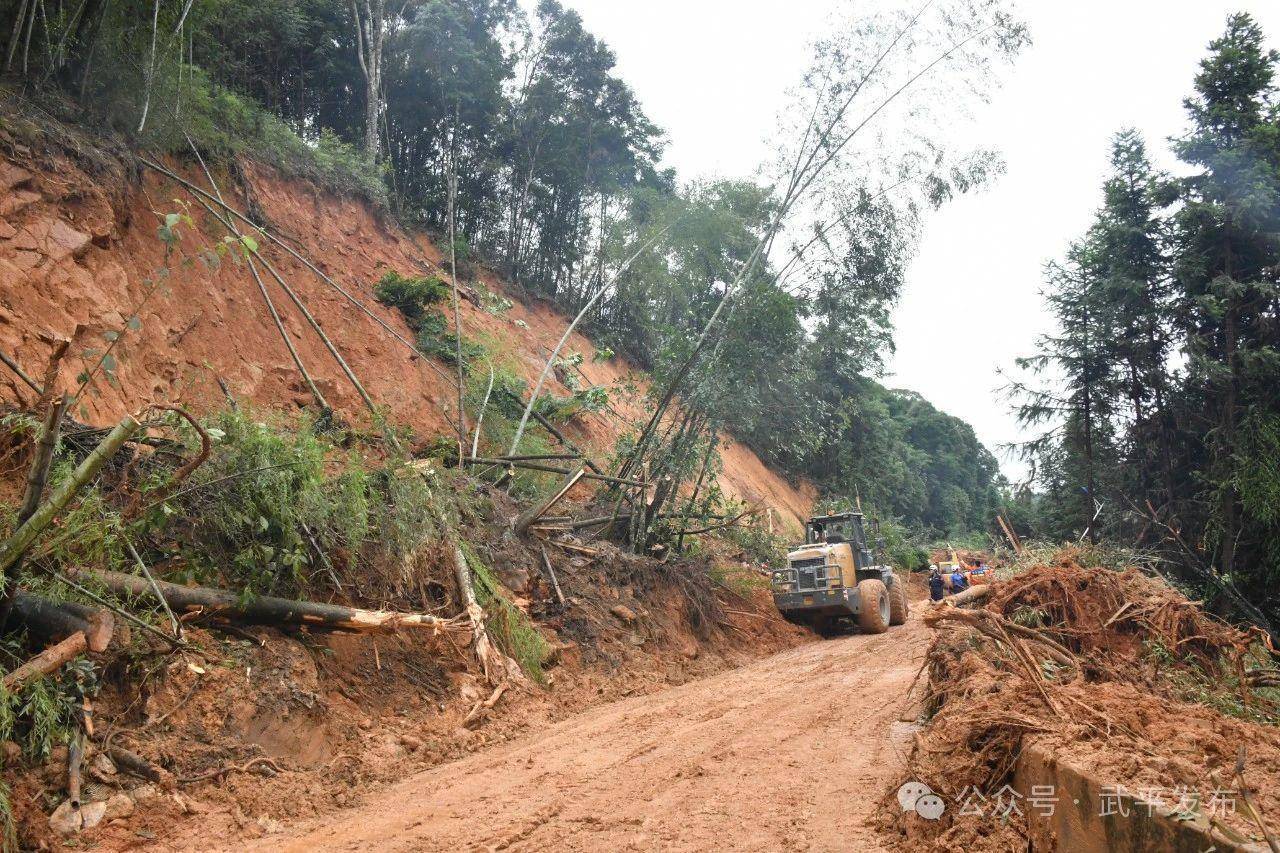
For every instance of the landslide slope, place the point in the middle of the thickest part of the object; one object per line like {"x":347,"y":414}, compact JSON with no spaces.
{"x":79,"y":249}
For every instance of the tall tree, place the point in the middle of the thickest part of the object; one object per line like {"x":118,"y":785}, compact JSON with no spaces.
{"x":1129,"y":254}
{"x":1229,"y":244}
{"x":1077,"y":403}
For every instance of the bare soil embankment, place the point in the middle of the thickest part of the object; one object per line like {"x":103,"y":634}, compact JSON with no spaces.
{"x":78,"y":251}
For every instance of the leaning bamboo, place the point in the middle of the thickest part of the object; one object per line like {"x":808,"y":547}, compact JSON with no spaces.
{"x":20,"y":373}
{"x":16,"y":545}
{"x":288,"y":342}
{"x":552,"y":469}
{"x":269,"y":609}
{"x":298,"y":256}
{"x":540,"y":509}
{"x":555,"y":353}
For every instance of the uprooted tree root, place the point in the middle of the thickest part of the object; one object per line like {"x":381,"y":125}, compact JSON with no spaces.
{"x":1114,"y":670}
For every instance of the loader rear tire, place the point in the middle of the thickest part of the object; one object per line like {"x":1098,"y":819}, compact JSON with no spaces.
{"x":898,"y":607}
{"x":873,"y":606}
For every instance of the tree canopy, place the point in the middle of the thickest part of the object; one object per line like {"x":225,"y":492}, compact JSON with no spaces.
{"x":1163,"y":417}
{"x":780,"y":288}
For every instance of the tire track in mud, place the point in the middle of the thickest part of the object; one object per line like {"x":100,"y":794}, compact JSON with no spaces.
{"x":792,"y":752}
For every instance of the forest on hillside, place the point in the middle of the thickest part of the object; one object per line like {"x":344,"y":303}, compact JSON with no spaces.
{"x":509,"y":135}
{"x":1159,"y":405}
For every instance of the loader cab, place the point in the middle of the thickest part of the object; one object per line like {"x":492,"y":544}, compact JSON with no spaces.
{"x":843,"y":527}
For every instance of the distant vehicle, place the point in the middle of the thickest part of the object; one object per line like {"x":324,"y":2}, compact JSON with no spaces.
{"x":835,"y":578}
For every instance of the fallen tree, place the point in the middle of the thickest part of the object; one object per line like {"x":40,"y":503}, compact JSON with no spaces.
{"x":269,"y":610}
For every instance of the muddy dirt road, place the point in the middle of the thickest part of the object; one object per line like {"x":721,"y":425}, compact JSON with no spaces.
{"x":792,"y":752}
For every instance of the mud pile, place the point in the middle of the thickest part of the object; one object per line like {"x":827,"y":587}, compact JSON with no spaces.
{"x":1114,"y":673}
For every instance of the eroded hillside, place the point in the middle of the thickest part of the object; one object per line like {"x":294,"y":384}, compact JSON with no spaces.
{"x":79,"y":253}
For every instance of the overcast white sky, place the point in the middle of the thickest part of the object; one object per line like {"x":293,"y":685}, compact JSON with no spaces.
{"x":713,"y":74}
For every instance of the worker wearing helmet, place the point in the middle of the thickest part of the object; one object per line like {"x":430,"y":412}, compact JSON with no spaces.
{"x":936,"y":584}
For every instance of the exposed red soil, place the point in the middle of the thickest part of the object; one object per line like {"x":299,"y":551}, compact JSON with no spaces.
{"x":78,"y":250}
{"x":786,"y":753}
{"x":1122,"y":712}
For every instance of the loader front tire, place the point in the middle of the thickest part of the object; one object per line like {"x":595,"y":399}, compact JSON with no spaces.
{"x":873,"y":606}
{"x":898,"y":607}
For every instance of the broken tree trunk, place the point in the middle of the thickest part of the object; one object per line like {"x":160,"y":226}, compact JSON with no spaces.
{"x":37,"y":474}
{"x":970,"y":595}
{"x":16,"y":545}
{"x":540,"y":509}
{"x":268,"y":610}
{"x":1010,"y":535}
{"x":46,"y":662}
{"x":52,"y":621}
{"x":490,"y":658}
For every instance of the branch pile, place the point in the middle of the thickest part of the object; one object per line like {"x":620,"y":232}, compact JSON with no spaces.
{"x":1116,"y":672}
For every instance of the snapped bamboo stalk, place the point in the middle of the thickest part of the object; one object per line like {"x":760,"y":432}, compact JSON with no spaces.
{"x":475,"y":441}
{"x":529,"y":516}
{"x":555,"y":353}
{"x":320,"y":332}
{"x":16,"y":545}
{"x":20,"y":373}
{"x":551,"y":573}
{"x":492,"y":661}
{"x":75,"y":756}
{"x":288,"y":342}
{"x":552,"y":469}
{"x":270,"y":610}
{"x":555,"y":433}
{"x":297,"y":301}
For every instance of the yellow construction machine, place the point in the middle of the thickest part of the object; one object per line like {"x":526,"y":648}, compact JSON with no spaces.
{"x":837,"y":578}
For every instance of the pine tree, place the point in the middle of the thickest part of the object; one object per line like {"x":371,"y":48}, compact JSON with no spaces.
{"x":1130,"y":259}
{"x":1078,"y":360}
{"x":1228,"y":244}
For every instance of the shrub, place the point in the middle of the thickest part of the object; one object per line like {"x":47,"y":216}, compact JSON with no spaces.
{"x":223,"y":124}
{"x":411,"y":295}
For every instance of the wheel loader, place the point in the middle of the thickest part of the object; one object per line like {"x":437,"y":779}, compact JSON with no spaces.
{"x":837,"y":578}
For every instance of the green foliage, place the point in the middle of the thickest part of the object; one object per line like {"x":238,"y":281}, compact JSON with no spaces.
{"x":270,"y":501}
{"x":223,"y":124}
{"x":411,"y":295}
{"x":1187,"y":267}
{"x":757,"y":544}
{"x":45,"y":713}
{"x":434,"y":338}
{"x":509,"y":627}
